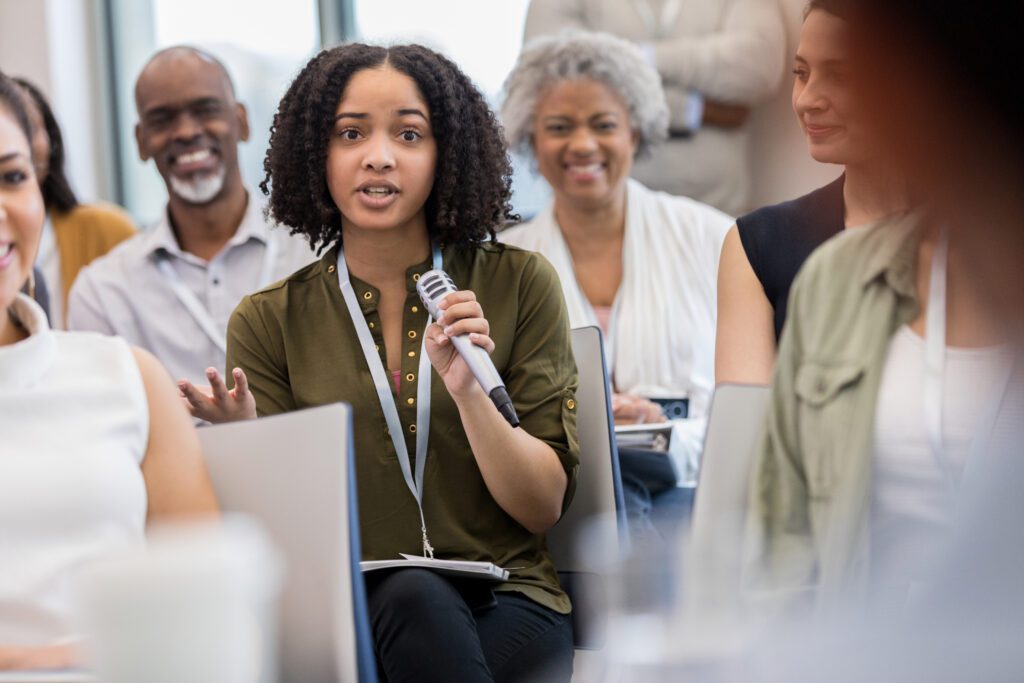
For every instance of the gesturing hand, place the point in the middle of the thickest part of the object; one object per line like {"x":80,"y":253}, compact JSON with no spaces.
{"x":460,"y":314}
{"x":217,"y":403}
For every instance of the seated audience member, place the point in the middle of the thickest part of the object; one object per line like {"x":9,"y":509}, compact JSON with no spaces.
{"x":95,"y":441}
{"x":763,"y":253}
{"x":172,"y":289}
{"x":887,"y":385}
{"x":74,"y":234}
{"x":411,"y":171}
{"x":715,"y":58}
{"x":640,"y":264}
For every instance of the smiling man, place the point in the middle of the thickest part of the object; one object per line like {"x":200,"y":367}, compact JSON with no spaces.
{"x":172,"y":289}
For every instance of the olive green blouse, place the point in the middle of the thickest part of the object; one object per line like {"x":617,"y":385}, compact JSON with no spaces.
{"x":298,"y":347}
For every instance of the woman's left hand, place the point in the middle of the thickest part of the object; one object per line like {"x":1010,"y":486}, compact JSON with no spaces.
{"x":461,"y":315}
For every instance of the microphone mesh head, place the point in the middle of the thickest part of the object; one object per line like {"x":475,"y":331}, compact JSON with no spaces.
{"x":432,"y":287}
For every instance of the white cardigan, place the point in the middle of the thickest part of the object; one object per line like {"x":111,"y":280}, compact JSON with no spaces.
{"x":662,"y":337}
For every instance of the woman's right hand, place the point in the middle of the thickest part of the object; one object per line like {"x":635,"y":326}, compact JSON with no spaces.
{"x":219,"y":404}
{"x":628,"y":409}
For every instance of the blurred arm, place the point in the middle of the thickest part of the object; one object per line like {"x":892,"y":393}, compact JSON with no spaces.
{"x":739,"y":64}
{"x":745,"y":337}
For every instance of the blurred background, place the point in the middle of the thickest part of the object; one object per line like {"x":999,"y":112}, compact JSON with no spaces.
{"x":86,"y":54}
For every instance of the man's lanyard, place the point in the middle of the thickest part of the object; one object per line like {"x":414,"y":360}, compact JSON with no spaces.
{"x":658,"y":28}
{"x":935,"y":375}
{"x":387,"y":398}
{"x":195,"y":307}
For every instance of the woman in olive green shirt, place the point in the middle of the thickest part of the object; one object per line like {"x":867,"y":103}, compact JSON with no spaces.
{"x":376,"y":155}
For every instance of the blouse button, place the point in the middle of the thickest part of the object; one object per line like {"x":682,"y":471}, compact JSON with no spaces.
{"x":372,"y":325}
{"x":570,"y":404}
{"x":412,"y":354}
{"x":368,"y":295}
{"x":415,"y":277}
{"x":330,"y":269}
{"x":415,"y":309}
{"x":410,"y":377}
{"x":412,"y":334}
{"x":410,"y":401}
{"x":412,"y":428}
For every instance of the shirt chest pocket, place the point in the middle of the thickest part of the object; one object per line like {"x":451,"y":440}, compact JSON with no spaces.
{"x":827,"y":398}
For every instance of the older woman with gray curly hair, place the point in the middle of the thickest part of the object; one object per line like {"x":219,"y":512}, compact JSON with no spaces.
{"x":642,"y":265}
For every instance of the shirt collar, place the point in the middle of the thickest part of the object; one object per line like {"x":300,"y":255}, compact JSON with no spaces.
{"x":893,"y":258}
{"x":253,"y":227}
{"x":367,"y":294}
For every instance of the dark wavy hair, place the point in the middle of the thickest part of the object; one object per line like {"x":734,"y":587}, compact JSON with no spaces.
{"x":57,"y":192}
{"x":473,"y":179}
{"x":13,"y":100}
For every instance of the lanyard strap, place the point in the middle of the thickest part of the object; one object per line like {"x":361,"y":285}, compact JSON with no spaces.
{"x":386,"y":397}
{"x":659,"y":27}
{"x":935,"y":374}
{"x":195,"y":307}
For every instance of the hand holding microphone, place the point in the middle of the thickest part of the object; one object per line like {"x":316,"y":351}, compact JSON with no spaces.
{"x":459,"y":345}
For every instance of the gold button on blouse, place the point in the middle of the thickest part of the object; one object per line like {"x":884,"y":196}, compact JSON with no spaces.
{"x":412,"y":428}
{"x":415,"y":309}
{"x":372,"y":325}
{"x":416,"y":277}
{"x":410,"y":401}
{"x":330,"y":269}
{"x":367,"y":295}
{"x":412,"y":354}
{"x":410,"y":377}
{"x":570,"y":404}
{"x":376,"y":347}
{"x":412,"y":334}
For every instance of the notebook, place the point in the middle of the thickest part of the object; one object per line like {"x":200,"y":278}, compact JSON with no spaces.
{"x":456,"y":568}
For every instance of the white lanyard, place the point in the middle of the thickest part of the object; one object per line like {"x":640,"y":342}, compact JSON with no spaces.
{"x":195,"y":307}
{"x":659,"y":27}
{"x":935,"y":377}
{"x":387,"y":398}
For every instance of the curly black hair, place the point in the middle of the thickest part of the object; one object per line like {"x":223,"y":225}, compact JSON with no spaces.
{"x":57,"y":192}
{"x":473,"y":179}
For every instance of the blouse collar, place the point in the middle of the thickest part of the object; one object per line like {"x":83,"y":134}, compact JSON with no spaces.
{"x":26,"y":362}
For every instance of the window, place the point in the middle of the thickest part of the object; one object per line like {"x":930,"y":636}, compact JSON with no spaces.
{"x":263,"y":43}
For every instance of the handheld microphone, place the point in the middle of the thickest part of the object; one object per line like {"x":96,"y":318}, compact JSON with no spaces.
{"x":435,"y":285}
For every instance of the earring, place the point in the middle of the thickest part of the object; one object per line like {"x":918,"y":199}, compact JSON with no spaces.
{"x":32,"y":285}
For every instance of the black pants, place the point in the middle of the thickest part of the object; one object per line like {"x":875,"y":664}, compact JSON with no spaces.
{"x":429,"y":628}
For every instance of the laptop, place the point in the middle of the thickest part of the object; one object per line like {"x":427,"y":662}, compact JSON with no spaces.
{"x":295,"y":473}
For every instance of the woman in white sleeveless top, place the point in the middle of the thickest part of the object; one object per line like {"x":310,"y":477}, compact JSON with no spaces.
{"x":94,"y":444}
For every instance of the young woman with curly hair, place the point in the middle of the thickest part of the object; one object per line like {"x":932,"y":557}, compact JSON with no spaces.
{"x":389,"y":160}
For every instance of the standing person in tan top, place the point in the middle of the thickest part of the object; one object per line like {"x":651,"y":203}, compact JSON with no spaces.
{"x":717,"y":59}
{"x":74,"y":234}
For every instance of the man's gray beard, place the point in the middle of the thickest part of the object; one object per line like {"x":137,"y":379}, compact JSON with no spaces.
{"x":200,"y":190}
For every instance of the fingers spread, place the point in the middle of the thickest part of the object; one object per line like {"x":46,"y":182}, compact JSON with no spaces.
{"x":194,"y":396}
{"x":220,"y":389}
{"x":241,"y":382}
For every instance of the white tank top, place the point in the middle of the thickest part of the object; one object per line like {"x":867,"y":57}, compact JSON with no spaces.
{"x":911,"y":503}
{"x":74,"y":427}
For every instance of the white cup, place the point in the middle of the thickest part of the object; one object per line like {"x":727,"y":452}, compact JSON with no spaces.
{"x":197,"y":604}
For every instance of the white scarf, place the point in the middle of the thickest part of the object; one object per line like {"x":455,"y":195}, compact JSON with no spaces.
{"x":661,"y":339}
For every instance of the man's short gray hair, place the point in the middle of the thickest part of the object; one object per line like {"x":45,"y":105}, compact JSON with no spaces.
{"x":573,"y":55}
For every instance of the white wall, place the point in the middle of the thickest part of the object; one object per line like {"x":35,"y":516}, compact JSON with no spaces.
{"x":782,"y":168}
{"x":54,"y":44}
